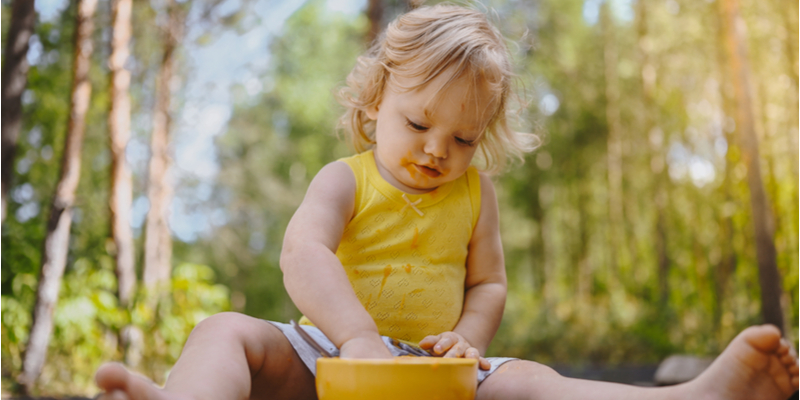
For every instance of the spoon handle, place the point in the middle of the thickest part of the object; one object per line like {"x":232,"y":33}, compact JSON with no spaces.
{"x":303,"y":334}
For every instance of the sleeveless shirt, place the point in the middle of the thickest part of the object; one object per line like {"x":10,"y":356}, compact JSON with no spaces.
{"x":405,"y":255}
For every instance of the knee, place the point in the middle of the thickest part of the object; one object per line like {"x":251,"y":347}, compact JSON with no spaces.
{"x":517,"y":380}
{"x":529,"y":370}
{"x":222,"y":325}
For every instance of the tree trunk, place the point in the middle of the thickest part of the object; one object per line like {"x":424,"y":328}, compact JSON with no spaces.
{"x":158,"y":242}
{"x":538,"y":257}
{"x":56,"y":242}
{"x":769,"y":278}
{"x":119,"y":125}
{"x":656,"y":154}
{"x":15,"y":77}
{"x":614,"y":145}
{"x":375,"y":16}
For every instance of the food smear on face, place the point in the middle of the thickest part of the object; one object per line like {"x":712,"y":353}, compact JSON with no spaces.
{"x":386,"y":272}
{"x":412,"y":170}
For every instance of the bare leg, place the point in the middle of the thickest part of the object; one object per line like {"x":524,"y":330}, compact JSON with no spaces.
{"x":227,"y":356}
{"x":756,"y":365}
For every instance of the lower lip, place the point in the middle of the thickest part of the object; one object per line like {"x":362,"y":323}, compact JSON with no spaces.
{"x":432,"y":173}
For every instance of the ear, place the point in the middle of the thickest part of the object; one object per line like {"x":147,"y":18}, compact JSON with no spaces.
{"x":372,"y":112}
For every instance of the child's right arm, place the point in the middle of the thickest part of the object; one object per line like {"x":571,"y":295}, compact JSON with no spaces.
{"x":314,"y":276}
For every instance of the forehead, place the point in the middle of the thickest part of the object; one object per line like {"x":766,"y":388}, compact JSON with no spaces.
{"x":464,"y":100}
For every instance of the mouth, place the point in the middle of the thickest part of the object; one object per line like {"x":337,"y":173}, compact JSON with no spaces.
{"x":428,"y":171}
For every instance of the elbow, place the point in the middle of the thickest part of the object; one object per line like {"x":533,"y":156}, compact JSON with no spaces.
{"x":288,"y":256}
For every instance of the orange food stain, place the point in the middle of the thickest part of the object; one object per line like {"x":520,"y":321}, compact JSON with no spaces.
{"x":415,"y":291}
{"x":408,"y":267}
{"x":403,"y":303}
{"x":408,"y":163}
{"x":386,"y":272}
{"x":415,"y":239}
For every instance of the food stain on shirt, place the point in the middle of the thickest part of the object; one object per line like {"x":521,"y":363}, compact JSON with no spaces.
{"x":386,"y":272}
{"x":414,"y":241}
{"x":408,"y":267}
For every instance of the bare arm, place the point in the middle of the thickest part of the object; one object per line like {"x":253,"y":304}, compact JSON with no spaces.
{"x":314,"y":276}
{"x":485,"y":288}
{"x":486,"y":284}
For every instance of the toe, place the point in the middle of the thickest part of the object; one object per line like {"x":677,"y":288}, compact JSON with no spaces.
{"x":113,"y":395}
{"x":111,"y":376}
{"x":787,"y":360}
{"x":765,"y":338}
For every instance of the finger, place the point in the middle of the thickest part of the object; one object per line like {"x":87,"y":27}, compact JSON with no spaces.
{"x":443,"y":345}
{"x":457,"y":350}
{"x":472,"y":353}
{"x":484,"y":364}
{"x":429,"y":341}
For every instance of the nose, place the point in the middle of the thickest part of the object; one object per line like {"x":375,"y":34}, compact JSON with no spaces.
{"x":436,"y":147}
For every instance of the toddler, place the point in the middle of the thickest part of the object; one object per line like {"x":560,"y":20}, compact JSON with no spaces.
{"x":396,"y":250}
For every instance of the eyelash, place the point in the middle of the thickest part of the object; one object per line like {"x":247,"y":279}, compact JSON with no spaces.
{"x":465,"y":142}
{"x":420,"y":128}
{"x":415,"y":127}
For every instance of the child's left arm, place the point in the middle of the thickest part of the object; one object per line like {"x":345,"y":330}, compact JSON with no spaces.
{"x":485,"y":288}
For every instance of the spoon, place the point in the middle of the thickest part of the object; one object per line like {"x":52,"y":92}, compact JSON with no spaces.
{"x":303,"y":334}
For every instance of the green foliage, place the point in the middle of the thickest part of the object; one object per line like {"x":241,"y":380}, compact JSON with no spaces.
{"x":569,"y":300}
{"x":88,"y":320}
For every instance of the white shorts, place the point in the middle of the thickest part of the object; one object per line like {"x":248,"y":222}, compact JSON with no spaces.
{"x":309,"y":355}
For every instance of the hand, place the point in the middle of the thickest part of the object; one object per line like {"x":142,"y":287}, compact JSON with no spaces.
{"x":364,"y":347}
{"x":453,"y":345}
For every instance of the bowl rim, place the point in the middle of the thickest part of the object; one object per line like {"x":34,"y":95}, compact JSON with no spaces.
{"x":401,"y":360}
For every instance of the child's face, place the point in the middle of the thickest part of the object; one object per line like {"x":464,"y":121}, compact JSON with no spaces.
{"x":423,"y":142}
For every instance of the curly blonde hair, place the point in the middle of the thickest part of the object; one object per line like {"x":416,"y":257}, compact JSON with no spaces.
{"x":422,"y":44}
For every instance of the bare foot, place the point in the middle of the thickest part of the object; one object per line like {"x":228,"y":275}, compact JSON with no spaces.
{"x":117,"y":383}
{"x":757,"y":364}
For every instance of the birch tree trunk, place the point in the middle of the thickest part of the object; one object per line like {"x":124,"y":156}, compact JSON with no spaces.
{"x":158,"y":242}
{"x":14,"y":79}
{"x":119,"y":125}
{"x":120,"y":200}
{"x":736,"y":49}
{"x":56,"y":242}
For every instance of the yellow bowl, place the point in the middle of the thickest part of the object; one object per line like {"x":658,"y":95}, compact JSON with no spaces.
{"x":401,"y":378}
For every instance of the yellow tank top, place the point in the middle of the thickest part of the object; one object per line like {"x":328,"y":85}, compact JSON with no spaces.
{"x":408,"y":269}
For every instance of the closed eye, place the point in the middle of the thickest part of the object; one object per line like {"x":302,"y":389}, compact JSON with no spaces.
{"x":416,"y":127}
{"x":465,"y":141}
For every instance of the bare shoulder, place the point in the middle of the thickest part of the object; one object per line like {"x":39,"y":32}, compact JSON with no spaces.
{"x":335,"y":178}
{"x":333,"y":186}
{"x":487,"y":188}
{"x":326,"y":208}
{"x":488,"y":219}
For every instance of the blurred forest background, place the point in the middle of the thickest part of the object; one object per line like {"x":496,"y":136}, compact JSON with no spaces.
{"x":149,"y":173}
